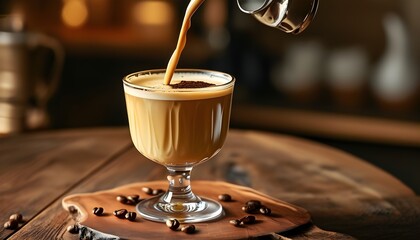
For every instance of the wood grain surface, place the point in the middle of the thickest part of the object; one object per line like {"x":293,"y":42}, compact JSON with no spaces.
{"x":341,"y":193}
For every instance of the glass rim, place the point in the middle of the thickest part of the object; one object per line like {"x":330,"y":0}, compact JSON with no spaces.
{"x":231,"y":80}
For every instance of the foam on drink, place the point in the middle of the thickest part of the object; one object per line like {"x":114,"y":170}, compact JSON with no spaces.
{"x":153,"y":88}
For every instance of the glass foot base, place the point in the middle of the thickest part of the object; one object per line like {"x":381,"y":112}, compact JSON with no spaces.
{"x":205,"y":210}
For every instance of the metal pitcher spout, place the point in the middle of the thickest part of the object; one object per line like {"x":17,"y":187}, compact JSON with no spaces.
{"x":290,"y":16}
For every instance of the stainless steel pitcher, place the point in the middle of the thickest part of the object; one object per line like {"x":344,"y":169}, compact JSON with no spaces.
{"x":21,"y":85}
{"x":290,"y":16}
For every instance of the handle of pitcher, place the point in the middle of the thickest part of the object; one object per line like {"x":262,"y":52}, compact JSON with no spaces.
{"x":46,"y":88}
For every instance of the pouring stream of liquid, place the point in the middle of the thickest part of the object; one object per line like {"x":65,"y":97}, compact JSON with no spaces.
{"x":182,"y":40}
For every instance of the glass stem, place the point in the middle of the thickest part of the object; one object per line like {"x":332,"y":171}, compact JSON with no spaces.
{"x":179,"y":190}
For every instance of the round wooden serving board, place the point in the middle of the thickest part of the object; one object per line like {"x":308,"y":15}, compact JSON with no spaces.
{"x":284,"y":215}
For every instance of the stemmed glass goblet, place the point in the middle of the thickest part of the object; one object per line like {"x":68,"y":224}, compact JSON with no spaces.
{"x":179,"y":127}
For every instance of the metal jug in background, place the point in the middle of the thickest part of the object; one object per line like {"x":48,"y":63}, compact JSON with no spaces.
{"x":290,"y":16}
{"x":23,"y":86}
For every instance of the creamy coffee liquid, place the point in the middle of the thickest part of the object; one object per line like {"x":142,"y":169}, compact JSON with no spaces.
{"x":182,"y":39}
{"x":178,"y":127}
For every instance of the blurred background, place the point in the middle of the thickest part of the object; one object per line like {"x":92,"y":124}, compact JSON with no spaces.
{"x":351,"y":80}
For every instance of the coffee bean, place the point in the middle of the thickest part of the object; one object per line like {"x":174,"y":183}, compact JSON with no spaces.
{"x":98,"y":211}
{"x":122,"y":199}
{"x":254,"y":203}
{"x":248,"y":219}
{"x":173,"y":224}
{"x":11,"y":224}
{"x":236,"y":223}
{"x":147,"y":190}
{"x":188,"y":229}
{"x":249,"y":209}
{"x":157,"y":191}
{"x":265,"y":210}
{"x":225,"y":197}
{"x":252,"y":206}
{"x":120,"y":213}
{"x":133,"y":199}
{"x":73,"y":229}
{"x":17,"y":216}
{"x":131,"y":216}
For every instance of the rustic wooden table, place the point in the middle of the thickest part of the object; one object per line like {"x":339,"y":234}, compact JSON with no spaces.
{"x":345,"y":196}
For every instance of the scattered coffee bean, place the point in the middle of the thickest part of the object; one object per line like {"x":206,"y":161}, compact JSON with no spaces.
{"x":248,"y":219}
{"x":225,"y":197}
{"x":151,"y":191}
{"x":188,"y":229}
{"x":11,"y":224}
{"x":73,"y":229}
{"x":133,"y":199}
{"x":17,"y":216}
{"x":173,"y":224}
{"x":236,"y":223}
{"x":254,"y":203}
{"x":122,"y":199}
{"x":130,"y":202}
{"x":98,"y":211}
{"x":157,"y":191}
{"x":252,"y":206}
{"x":120,"y":213}
{"x":131,"y":216}
{"x":147,"y":190}
{"x":265,"y":210}
{"x":249,"y":209}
